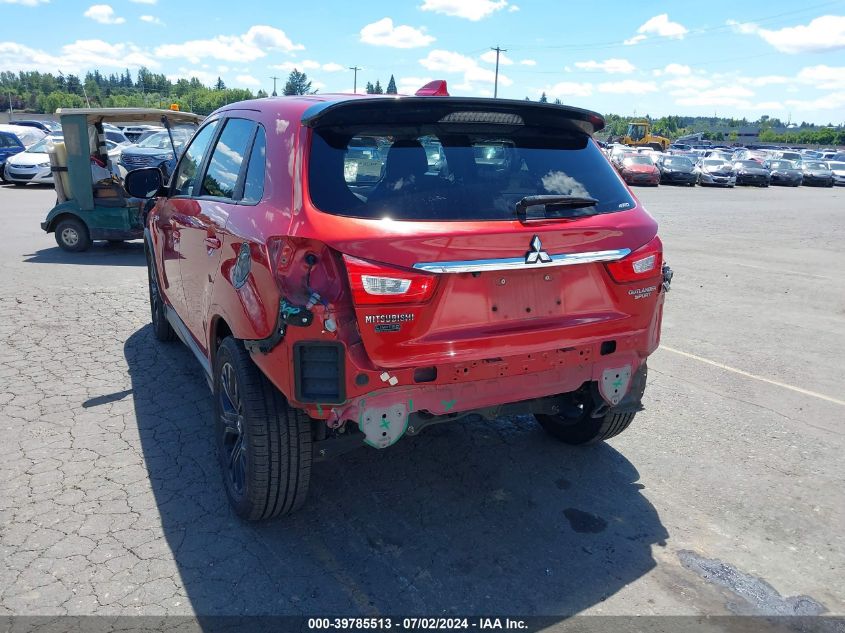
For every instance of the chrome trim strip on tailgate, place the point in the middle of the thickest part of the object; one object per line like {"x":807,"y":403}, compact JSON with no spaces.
{"x":514,"y":263}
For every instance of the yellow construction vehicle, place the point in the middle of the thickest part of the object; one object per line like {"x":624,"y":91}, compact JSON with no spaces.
{"x":639,"y":135}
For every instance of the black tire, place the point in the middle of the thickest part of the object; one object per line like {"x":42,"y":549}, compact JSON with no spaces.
{"x":162,"y":329}
{"x":586,"y":429}
{"x":263,"y":445}
{"x":72,"y":235}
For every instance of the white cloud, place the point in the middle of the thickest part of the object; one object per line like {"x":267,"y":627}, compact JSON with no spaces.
{"x":490,"y":58}
{"x":662,"y":26}
{"x":409,"y":85}
{"x":247,"y":80}
{"x":613,"y":65}
{"x":513,"y":8}
{"x":832,"y":101}
{"x":76,"y":57}
{"x":26,"y":3}
{"x":566,"y":90}
{"x":470,"y":9}
{"x":725,"y":96}
{"x":151,"y":19}
{"x":450,"y":62}
{"x":384,"y":33}
{"x":825,"y":33}
{"x":628,"y":86}
{"x":687,"y":85}
{"x":103,"y":13}
{"x":206,"y":78}
{"x":679,"y":70}
{"x":332,"y":67}
{"x":659,"y":25}
{"x":823,"y":77}
{"x":528,"y":62}
{"x":248,"y":47}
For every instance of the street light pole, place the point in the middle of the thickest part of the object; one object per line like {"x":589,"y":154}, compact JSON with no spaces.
{"x":355,"y":69}
{"x":496,"y":80}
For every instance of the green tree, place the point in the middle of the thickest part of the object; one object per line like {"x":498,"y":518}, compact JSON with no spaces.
{"x":391,"y":86}
{"x":370,"y":89}
{"x":219,"y":85}
{"x":297,"y":84}
{"x":544,"y":98}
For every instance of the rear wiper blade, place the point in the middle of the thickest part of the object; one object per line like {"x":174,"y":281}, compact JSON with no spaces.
{"x":555,"y":201}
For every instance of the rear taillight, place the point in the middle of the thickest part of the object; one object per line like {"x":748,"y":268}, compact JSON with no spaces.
{"x":644,"y":263}
{"x":378,"y":284}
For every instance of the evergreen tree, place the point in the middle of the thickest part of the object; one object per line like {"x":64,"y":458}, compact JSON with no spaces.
{"x":543,"y":98}
{"x":219,"y":85}
{"x":377,"y":89}
{"x":297,"y":84}
{"x":391,"y":86}
{"x":371,"y":89}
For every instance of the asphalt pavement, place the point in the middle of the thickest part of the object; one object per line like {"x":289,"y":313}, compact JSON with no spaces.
{"x":726,"y":495}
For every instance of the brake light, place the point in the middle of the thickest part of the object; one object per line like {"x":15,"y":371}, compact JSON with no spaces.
{"x":376,"y":284}
{"x":644,"y":263}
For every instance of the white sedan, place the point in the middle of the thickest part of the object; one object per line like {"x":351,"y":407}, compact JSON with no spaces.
{"x":33,"y":164}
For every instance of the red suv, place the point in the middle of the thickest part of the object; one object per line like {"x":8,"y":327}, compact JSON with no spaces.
{"x":351,"y":269}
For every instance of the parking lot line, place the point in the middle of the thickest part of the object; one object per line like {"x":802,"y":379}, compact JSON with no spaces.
{"x":806,"y":392}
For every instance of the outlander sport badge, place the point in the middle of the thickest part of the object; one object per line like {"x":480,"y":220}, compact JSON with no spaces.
{"x":537,"y":254}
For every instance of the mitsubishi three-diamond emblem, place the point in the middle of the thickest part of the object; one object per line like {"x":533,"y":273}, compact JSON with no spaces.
{"x":537,"y":254}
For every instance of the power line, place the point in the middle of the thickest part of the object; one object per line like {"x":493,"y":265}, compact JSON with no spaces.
{"x":274,"y":78}
{"x":355,"y":69}
{"x":496,"y":80}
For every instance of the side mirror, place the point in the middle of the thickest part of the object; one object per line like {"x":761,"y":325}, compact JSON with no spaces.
{"x":144,"y":183}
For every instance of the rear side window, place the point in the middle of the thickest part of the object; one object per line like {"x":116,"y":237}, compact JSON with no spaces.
{"x":221,"y":178}
{"x":452,"y":172}
{"x":185,"y":179}
{"x":254,"y":181}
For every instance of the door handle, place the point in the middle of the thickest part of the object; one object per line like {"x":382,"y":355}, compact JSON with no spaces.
{"x":213,"y":242}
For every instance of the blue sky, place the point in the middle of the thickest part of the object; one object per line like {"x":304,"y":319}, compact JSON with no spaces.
{"x":782,"y":58}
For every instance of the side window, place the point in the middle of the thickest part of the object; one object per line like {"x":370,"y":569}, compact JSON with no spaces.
{"x":254,"y":183}
{"x":185,"y":179}
{"x":221,"y":178}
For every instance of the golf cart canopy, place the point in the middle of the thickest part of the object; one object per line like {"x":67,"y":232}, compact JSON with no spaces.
{"x":139,"y":115}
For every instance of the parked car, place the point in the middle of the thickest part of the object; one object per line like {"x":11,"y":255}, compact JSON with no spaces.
{"x":13,"y":140}
{"x":795,"y":157}
{"x":817,"y":172}
{"x":837,"y":168}
{"x":48,"y":127}
{"x":716,"y":172}
{"x":10,"y":145}
{"x":750,"y":172}
{"x":154,"y":151}
{"x":784,"y":172}
{"x":30,"y":166}
{"x":341,"y":329}
{"x":677,"y":170}
{"x":639,"y":169}
{"x":133,"y":132}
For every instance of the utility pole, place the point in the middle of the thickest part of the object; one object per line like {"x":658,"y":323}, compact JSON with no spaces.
{"x":355,"y":69}
{"x":11,"y":111}
{"x":496,"y":81}
{"x":274,"y":78}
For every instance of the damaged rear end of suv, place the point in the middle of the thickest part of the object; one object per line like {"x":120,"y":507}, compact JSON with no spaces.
{"x":481,"y":257}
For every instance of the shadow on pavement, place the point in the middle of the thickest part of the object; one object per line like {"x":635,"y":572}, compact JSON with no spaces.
{"x":99,"y":254}
{"x":469,"y":518}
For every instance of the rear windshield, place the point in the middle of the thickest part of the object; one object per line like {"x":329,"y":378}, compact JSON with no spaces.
{"x":676,"y":161}
{"x":638,"y":160}
{"x":815,"y":165}
{"x":449,"y":172}
{"x":781,"y":164}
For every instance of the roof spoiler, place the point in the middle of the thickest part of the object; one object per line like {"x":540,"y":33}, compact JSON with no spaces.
{"x":436,"y":88}
{"x":473,"y":110}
